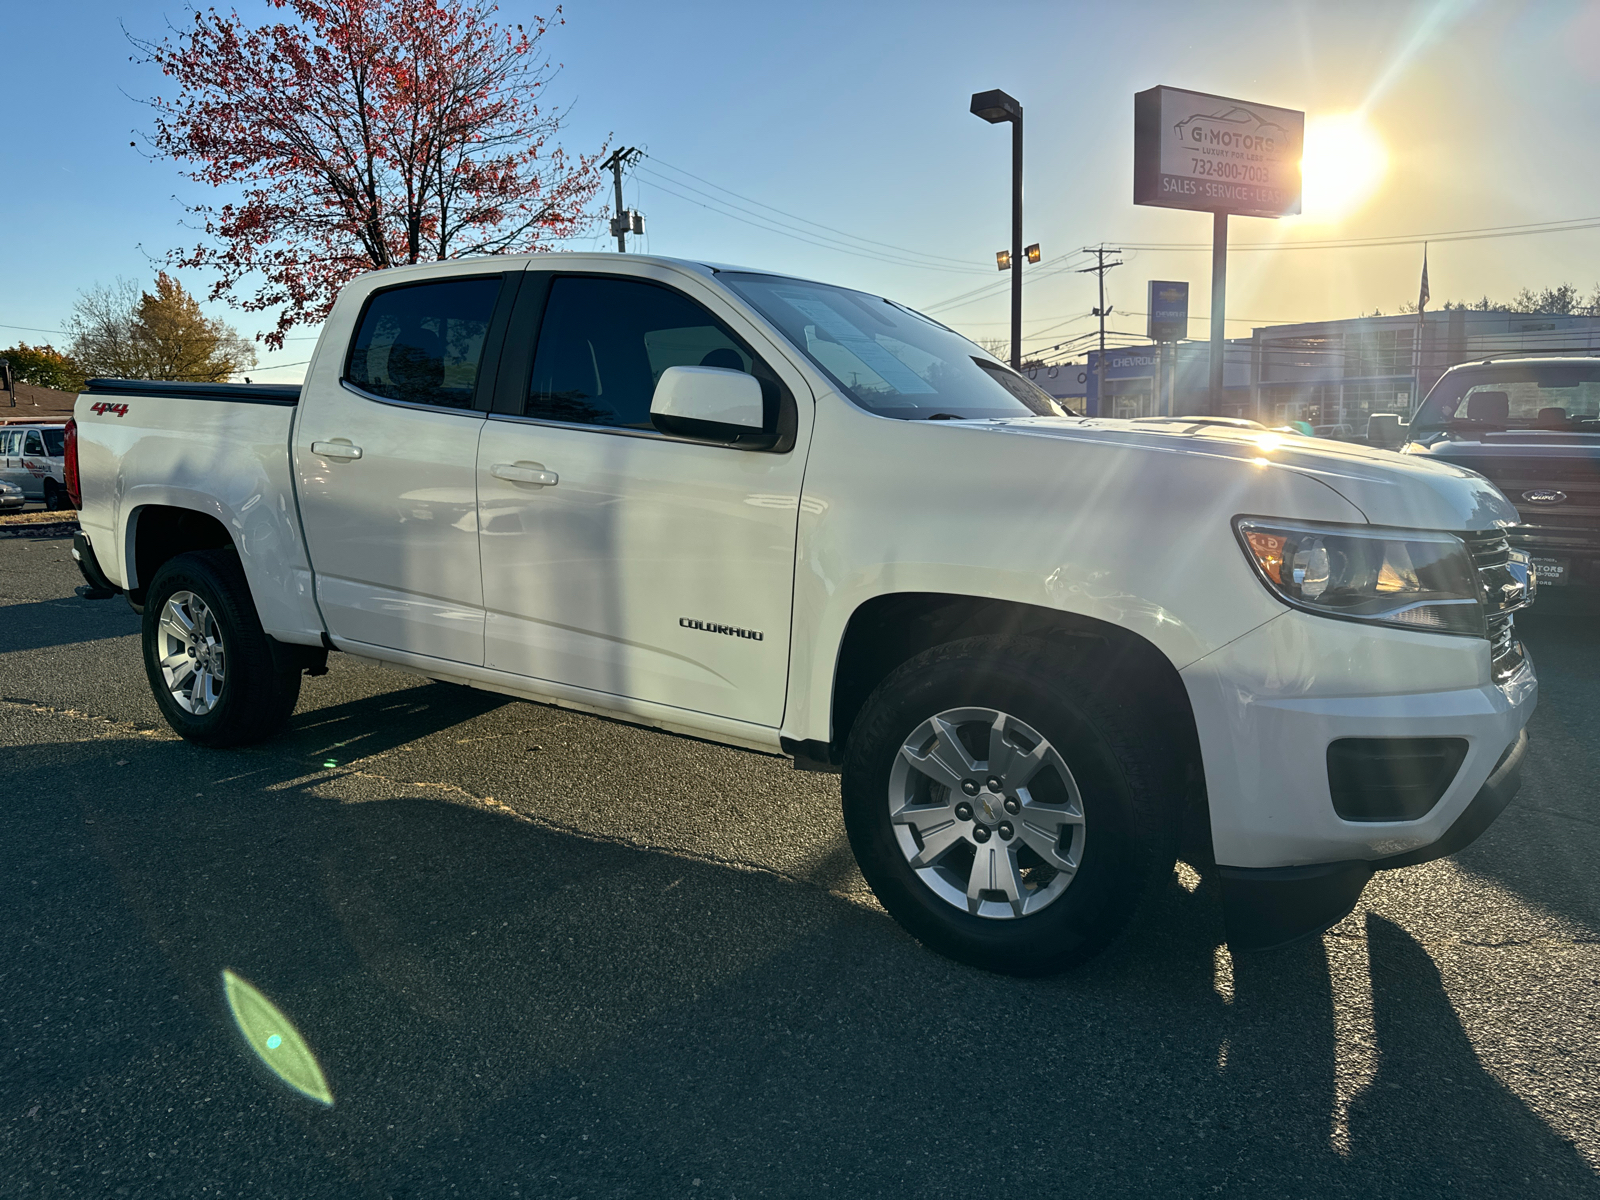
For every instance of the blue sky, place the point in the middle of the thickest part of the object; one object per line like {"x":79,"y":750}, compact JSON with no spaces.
{"x":854,"y":115}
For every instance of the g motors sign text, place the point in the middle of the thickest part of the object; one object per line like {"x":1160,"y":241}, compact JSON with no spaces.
{"x":1196,"y":150}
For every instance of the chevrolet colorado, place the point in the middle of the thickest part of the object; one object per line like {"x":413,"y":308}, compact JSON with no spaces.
{"x":1042,"y":651}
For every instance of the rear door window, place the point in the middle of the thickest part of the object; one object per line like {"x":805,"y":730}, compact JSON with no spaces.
{"x":423,"y":344}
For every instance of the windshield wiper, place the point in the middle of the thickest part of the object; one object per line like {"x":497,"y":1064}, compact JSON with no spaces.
{"x":944,"y":417}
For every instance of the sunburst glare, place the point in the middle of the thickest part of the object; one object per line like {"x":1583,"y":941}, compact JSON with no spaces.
{"x":1343,"y":165}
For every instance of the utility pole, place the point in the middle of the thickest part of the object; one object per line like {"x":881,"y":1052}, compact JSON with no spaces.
{"x":623,"y":221}
{"x":1099,"y":271}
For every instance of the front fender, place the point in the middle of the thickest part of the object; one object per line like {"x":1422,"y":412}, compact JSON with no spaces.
{"x":1138,"y":537}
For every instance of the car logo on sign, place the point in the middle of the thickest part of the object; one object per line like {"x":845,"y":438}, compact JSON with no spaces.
{"x":1544,"y":496}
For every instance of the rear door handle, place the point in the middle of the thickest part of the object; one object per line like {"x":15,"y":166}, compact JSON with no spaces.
{"x":532,"y":473}
{"x":335,"y":450}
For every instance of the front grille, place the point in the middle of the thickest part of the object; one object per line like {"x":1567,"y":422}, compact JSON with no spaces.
{"x":1489,"y":550}
{"x":1491,"y":556}
{"x":1505,"y":651}
{"x":1576,"y":477}
{"x":1550,"y":536}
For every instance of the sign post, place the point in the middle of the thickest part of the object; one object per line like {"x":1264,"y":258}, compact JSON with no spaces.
{"x":1166,"y":322}
{"x":1211,"y":154}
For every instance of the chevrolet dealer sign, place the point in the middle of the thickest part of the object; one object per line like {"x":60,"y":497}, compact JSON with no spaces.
{"x":1195,"y":150}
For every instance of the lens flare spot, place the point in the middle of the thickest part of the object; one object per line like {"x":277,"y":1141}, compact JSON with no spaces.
{"x":265,"y":1029}
{"x":1344,"y":161}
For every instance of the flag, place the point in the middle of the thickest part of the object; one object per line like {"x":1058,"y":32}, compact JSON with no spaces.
{"x":1422,"y":295}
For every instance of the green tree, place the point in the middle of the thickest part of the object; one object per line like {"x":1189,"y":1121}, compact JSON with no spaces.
{"x":44,"y":366}
{"x":121,"y":332}
{"x":1563,"y":300}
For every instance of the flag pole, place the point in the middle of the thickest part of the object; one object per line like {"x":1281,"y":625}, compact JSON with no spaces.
{"x":1422,"y":324}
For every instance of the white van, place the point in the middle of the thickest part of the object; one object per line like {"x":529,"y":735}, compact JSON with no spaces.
{"x":32,"y":458}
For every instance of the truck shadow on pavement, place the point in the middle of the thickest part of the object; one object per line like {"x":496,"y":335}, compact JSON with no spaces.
{"x":505,"y":1008}
{"x":40,"y":624}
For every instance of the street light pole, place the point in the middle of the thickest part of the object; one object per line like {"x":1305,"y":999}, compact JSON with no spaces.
{"x":997,"y":107}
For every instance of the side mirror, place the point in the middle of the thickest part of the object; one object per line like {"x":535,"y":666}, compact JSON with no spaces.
{"x":711,"y":404}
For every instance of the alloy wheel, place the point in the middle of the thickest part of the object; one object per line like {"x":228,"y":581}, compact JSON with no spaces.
{"x":191,"y":653}
{"x":986,"y":813}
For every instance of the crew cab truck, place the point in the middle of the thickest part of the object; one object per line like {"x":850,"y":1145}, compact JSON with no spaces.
{"x":1531,"y":425}
{"x":805,"y":520}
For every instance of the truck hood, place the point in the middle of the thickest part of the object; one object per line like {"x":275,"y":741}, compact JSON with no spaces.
{"x":1408,"y":491}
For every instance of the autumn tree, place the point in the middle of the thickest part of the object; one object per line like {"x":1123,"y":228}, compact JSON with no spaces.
{"x":363,"y":134}
{"x":121,"y":332}
{"x":44,"y":366}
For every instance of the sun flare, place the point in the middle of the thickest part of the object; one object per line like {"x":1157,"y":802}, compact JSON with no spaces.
{"x":1344,"y":162}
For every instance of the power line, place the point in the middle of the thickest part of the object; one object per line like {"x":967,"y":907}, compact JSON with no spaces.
{"x":723,"y":209}
{"x":1571,"y":225}
{"x":965,"y":263}
{"x":35,"y":329}
{"x":1055,"y":266}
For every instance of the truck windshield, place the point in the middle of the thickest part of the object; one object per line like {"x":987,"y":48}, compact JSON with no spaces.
{"x":887,"y":358}
{"x":1534,"y":395}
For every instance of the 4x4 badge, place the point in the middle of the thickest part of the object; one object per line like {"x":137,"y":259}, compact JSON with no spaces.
{"x":100,"y":408}
{"x":1544,"y":496}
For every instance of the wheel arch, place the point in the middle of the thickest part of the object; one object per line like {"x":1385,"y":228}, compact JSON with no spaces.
{"x":159,"y":532}
{"x":890,"y":629}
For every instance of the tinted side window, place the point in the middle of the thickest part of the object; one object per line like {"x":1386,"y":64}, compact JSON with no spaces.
{"x":35,"y":443}
{"x":423,"y":344}
{"x":55,"y":442}
{"x":605,"y":342}
{"x":6,"y":442}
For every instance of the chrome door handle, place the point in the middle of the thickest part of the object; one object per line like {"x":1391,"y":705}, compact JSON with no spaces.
{"x":335,"y":450}
{"x":525,"y":473}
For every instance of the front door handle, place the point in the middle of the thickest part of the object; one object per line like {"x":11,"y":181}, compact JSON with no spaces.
{"x":533,"y":473}
{"x":342,"y":450}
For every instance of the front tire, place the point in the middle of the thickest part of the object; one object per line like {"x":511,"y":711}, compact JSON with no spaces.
{"x":1003,"y":810}
{"x":215,"y":673}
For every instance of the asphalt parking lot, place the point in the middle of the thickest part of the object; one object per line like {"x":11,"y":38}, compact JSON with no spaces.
{"x":543,"y":954}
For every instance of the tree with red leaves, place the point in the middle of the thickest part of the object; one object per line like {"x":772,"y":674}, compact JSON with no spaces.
{"x":364,"y":134}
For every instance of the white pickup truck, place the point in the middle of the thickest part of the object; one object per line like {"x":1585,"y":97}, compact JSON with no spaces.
{"x":808,"y":521}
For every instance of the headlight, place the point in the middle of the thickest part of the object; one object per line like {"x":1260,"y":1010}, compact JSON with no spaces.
{"x":1411,"y":579}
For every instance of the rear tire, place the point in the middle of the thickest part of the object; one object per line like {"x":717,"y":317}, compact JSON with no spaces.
{"x":217,"y":677}
{"x":1026,"y":848}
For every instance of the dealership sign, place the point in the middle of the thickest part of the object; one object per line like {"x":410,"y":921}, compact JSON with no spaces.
{"x":1167,"y":309}
{"x":1199,"y":151}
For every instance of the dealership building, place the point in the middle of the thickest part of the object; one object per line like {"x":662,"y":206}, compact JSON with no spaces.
{"x":1331,"y":374}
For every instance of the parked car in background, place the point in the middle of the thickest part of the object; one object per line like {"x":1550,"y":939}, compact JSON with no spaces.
{"x":1532,"y":426}
{"x":11,"y":497}
{"x":31,"y":459}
